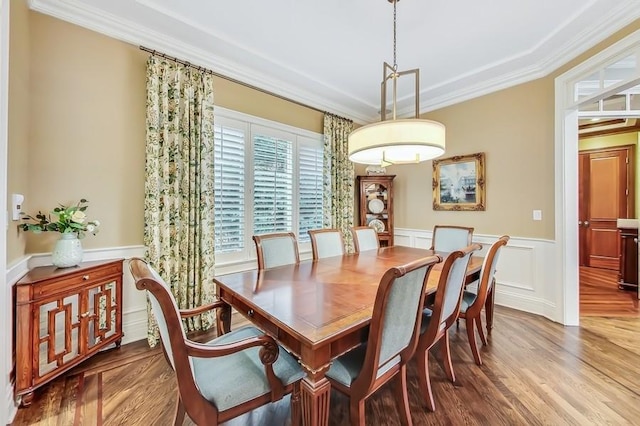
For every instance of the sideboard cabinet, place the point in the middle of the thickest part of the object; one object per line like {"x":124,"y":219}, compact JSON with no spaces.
{"x":376,"y":205}
{"x":628,"y":274}
{"x":62,"y":317}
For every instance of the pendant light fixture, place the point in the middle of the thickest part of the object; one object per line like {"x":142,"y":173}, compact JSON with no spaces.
{"x":397,"y":141}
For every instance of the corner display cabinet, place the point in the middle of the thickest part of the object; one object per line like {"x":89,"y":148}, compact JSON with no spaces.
{"x":376,"y":205}
{"x":62,"y":317}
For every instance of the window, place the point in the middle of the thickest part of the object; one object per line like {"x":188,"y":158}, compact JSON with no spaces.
{"x":268,"y":178}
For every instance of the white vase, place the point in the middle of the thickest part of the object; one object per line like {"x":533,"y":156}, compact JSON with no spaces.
{"x":67,"y":251}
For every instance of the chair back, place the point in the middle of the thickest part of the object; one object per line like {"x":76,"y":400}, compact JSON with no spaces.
{"x":326,"y":243}
{"x":165,"y":311}
{"x":396,"y":318}
{"x":364,"y":238}
{"x":276,"y":249}
{"x":489,"y":270}
{"x":450,"y":238}
{"x":449,"y":293}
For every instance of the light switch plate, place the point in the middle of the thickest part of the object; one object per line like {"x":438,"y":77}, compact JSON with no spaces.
{"x":537,"y":215}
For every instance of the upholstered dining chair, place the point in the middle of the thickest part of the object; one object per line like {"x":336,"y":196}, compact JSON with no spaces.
{"x":232,"y":374}
{"x":276,"y":249}
{"x":450,"y":237}
{"x":326,"y":243}
{"x":393,"y":335}
{"x":473,"y":301}
{"x":364,"y":238}
{"x":437,"y":319}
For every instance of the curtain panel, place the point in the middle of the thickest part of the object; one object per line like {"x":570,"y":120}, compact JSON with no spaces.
{"x":339,"y":175}
{"x":179,"y":186}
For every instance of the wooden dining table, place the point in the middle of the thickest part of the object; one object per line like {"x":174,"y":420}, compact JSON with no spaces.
{"x":318,"y":310}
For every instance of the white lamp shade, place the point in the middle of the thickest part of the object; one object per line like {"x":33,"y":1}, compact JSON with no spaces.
{"x":397,"y":141}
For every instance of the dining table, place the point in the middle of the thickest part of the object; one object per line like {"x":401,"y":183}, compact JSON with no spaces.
{"x":319,"y":309}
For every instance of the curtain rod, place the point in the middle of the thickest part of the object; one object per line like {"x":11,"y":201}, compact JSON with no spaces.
{"x":233,"y":80}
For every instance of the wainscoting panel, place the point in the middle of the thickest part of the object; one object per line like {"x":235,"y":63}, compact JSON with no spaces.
{"x":523,"y":273}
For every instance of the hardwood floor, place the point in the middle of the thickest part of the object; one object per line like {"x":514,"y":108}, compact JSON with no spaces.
{"x":535,"y":372}
{"x":600,"y":296}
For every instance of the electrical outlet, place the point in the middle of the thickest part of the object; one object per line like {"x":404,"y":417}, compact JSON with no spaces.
{"x":537,"y":215}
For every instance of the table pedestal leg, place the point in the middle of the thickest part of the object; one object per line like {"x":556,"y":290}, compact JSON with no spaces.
{"x":315,"y":402}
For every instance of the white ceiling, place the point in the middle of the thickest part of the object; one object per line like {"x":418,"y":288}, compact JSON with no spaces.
{"x":329,"y":54}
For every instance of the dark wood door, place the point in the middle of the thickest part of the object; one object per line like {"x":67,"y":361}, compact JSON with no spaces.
{"x":605,"y":194}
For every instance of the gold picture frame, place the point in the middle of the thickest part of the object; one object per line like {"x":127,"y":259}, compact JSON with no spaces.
{"x":459,"y":183}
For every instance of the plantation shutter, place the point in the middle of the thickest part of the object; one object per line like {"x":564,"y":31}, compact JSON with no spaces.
{"x":229,"y":154}
{"x":272,"y":184}
{"x":310,"y":187}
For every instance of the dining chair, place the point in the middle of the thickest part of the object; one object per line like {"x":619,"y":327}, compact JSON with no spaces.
{"x":438,"y":318}
{"x":393,"y":336}
{"x":326,"y":243}
{"x":473,"y":302}
{"x":226,"y":377}
{"x":364,"y":238}
{"x":276,"y":249}
{"x":448,"y":238}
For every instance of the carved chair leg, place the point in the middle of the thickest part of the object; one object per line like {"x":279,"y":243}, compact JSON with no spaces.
{"x":488,"y":307}
{"x":402,"y":397}
{"x":296,"y":408}
{"x":446,"y":357}
{"x":478,"y":321}
{"x":472,"y":340}
{"x":179,"y":415}
{"x":423,"y":379}
{"x":356,"y":411}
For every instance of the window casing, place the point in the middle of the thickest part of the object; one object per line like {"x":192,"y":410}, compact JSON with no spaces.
{"x":268,"y":178}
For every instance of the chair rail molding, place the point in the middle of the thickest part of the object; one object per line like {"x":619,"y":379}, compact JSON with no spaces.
{"x":523,"y":272}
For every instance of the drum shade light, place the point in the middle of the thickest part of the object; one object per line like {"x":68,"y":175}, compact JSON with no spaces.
{"x":397,"y":141}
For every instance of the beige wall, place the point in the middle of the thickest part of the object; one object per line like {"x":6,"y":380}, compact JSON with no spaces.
{"x":19,"y":120}
{"x":87,"y":139}
{"x":88,"y":95}
{"x":514,"y":128}
{"x":609,"y":141}
{"x":87,"y":132}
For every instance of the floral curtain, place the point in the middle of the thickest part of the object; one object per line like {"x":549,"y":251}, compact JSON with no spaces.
{"x":339,"y":177}
{"x":179,"y":194}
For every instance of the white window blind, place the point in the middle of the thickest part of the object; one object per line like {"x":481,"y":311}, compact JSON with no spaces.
{"x":272,"y":185}
{"x":229,"y":189}
{"x":268,"y":178}
{"x":310,"y":188}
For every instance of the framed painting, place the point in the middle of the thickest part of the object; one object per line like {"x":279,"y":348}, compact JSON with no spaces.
{"x":459,"y":183}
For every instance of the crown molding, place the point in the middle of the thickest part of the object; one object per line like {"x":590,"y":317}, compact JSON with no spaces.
{"x":94,"y":19}
{"x":457,"y":90}
{"x":319,"y":95}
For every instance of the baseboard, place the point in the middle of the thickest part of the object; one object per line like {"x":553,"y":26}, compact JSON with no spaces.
{"x":134,"y":325}
{"x":12,"y":408}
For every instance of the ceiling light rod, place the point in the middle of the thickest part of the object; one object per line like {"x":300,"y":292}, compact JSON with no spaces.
{"x":396,"y":141}
{"x":393,"y":74}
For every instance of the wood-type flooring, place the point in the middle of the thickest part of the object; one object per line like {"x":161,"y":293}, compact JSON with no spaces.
{"x":601,"y":297}
{"x":535,"y":372}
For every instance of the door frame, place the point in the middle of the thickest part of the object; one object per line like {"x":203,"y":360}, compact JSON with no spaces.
{"x":566,"y":295}
{"x":5,"y":290}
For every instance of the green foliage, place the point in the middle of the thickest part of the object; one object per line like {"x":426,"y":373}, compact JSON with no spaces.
{"x":63,"y":219}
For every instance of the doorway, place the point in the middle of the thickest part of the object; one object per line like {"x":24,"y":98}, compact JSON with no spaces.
{"x":606,"y":176}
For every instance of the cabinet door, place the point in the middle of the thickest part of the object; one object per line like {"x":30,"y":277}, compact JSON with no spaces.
{"x":103,"y":321}
{"x":56,"y":335}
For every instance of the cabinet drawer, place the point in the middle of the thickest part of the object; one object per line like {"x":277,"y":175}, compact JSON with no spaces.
{"x":76,"y":279}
